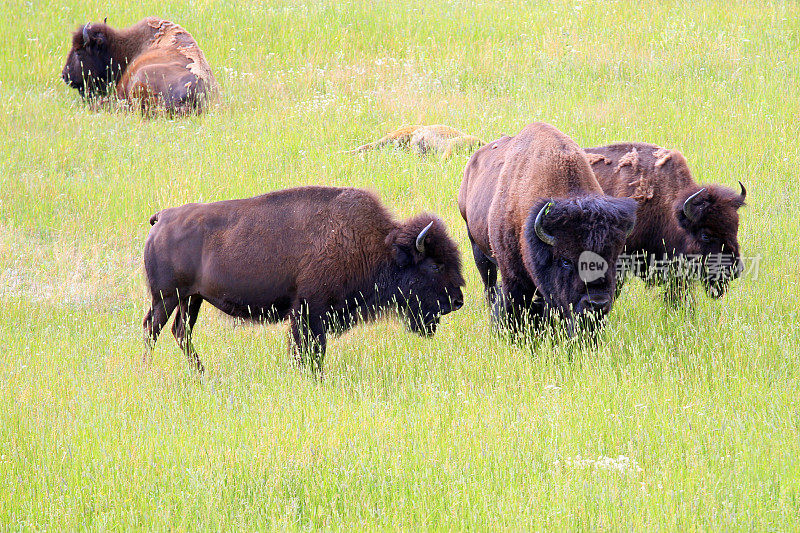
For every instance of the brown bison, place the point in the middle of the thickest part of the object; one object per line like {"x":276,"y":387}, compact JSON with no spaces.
{"x":535,"y":210}
{"x":324,"y":257}
{"x":155,"y":64}
{"x":424,"y":140}
{"x":683,"y":230}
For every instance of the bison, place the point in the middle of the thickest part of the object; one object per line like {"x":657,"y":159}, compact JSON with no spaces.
{"x":323,"y":257}
{"x":424,"y":140}
{"x":154,"y":64}
{"x":535,"y":211}
{"x":683,"y":230}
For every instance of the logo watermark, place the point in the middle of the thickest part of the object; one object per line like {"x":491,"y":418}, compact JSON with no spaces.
{"x":591,"y":266}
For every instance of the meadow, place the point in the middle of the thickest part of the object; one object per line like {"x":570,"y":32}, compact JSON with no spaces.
{"x":681,"y":419}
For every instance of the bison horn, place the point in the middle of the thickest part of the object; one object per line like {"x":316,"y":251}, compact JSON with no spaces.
{"x":537,"y":226}
{"x":421,"y":238}
{"x":86,"y":34}
{"x":744,"y":191}
{"x":687,"y":205}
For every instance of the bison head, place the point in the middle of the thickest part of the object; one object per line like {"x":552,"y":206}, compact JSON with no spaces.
{"x":89,"y":67}
{"x":710,"y":217}
{"x":572,"y":250}
{"x":425,"y":273}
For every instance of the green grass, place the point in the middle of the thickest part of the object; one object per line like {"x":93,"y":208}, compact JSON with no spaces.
{"x":462,"y":431}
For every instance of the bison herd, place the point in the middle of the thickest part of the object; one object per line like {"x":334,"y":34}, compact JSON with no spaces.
{"x":555,"y":220}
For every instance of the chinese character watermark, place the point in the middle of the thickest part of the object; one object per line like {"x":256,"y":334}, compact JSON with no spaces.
{"x":691,"y":267}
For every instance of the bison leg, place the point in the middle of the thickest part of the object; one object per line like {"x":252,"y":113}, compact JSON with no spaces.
{"x":188,"y":309}
{"x":488,"y":271}
{"x":141,"y":93}
{"x":155,"y":319}
{"x":308,"y":338}
{"x":515,"y":308}
{"x":453,"y":145}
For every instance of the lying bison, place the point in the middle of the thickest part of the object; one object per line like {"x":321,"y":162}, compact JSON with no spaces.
{"x":155,"y":65}
{"x":424,"y":140}
{"x":683,"y":230}
{"x":323,"y":257}
{"x":534,"y":210}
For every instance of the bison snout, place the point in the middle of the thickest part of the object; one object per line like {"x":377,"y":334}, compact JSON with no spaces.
{"x":454,"y":302}
{"x":738,"y":268}
{"x":597,"y":304}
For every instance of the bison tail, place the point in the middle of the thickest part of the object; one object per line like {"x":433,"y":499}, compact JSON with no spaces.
{"x":154,"y":218}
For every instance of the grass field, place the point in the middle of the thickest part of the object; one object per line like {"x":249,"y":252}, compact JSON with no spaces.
{"x":679,"y":420}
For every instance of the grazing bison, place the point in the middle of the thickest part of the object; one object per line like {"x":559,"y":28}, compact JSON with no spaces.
{"x":323,"y":257}
{"x":155,"y":64}
{"x":534,"y":210}
{"x":683,"y":230}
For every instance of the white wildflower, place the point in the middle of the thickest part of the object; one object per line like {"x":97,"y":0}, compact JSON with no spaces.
{"x":622,"y":464}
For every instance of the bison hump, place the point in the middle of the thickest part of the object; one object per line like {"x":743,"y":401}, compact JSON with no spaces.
{"x":641,"y":179}
{"x":171,"y":36}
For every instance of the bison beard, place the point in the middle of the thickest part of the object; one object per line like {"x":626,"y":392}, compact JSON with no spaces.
{"x":323,"y":257}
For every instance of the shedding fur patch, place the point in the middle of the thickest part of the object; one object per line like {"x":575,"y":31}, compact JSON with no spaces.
{"x":645,"y":188}
{"x":662,"y":155}
{"x":631,"y":159}
{"x":597,"y":158}
{"x":645,"y":185}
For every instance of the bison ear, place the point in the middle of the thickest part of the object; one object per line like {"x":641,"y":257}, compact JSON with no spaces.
{"x":402,"y":256}
{"x":95,"y":37}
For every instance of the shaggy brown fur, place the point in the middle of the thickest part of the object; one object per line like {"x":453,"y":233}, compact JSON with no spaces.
{"x":424,"y":139}
{"x":505,"y":185}
{"x":155,"y":65}
{"x":324,"y":257}
{"x":660,"y":180}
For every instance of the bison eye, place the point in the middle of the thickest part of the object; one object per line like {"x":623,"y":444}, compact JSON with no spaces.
{"x":436,"y":268}
{"x":566,"y":263}
{"x":705,"y":237}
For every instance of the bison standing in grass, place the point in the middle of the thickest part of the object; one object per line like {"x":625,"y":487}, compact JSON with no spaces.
{"x":683,"y":230}
{"x":323,"y":257}
{"x":535,"y":211}
{"x":155,"y":65}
